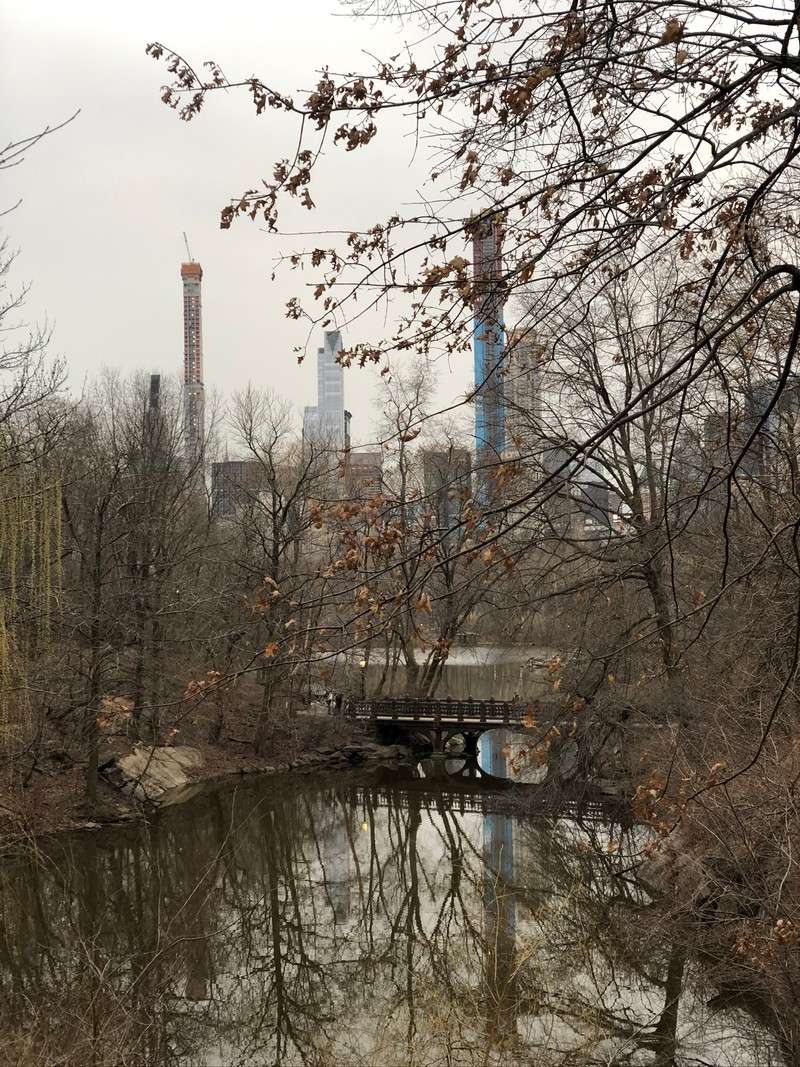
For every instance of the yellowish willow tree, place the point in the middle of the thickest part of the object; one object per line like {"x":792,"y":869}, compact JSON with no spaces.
{"x":30,"y":509}
{"x":30,"y":532}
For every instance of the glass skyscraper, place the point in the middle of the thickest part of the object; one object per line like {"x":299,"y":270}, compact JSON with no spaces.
{"x":325,"y":422}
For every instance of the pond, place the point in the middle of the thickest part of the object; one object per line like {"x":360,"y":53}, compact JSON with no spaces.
{"x":391,"y":916}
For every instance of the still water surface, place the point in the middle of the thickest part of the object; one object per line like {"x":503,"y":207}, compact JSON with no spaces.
{"x":397,"y":916}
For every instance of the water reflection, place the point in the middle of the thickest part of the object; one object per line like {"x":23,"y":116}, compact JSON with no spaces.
{"x":383,"y":920}
{"x":503,"y":757}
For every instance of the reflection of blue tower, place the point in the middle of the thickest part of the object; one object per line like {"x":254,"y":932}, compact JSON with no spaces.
{"x":336,"y":869}
{"x":499,"y":905}
{"x":498,"y":840}
{"x":488,"y":343}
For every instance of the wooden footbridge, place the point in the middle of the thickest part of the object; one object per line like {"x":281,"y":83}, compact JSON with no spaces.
{"x":441,"y":720}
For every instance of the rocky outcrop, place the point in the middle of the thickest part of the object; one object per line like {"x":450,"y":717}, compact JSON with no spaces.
{"x":166,"y":775}
{"x":156,"y":774}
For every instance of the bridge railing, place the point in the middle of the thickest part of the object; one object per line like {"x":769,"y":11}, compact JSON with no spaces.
{"x":438,"y":712}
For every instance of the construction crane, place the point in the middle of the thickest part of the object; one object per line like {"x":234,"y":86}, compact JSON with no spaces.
{"x":188,"y":250}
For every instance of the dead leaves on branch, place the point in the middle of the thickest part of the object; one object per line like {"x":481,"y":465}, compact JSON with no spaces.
{"x":213,"y":680}
{"x":553,"y":78}
{"x":673,"y":32}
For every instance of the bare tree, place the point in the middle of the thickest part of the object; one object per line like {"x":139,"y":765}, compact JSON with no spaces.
{"x":278,"y":543}
{"x":134,"y":526}
{"x":604,"y":137}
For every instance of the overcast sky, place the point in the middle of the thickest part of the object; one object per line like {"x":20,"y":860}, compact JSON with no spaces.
{"x":105,"y":201}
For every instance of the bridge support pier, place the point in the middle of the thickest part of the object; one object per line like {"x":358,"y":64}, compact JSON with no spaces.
{"x":440,"y":736}
{"x":471,"y":740}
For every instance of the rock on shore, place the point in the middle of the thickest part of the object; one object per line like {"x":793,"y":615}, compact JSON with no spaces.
{"x":150,"y":773}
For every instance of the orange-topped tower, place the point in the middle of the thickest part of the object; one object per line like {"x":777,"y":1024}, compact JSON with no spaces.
{"x":193,"y":394}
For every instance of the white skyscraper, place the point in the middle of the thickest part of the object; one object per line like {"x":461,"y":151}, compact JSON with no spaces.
{"x":325,"y":422}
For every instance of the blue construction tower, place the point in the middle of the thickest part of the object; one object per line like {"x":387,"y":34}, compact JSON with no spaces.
{"x":489,"y":343}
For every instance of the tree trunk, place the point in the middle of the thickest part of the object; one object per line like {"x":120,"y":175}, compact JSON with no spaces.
{"x":666,"y":1032}
{"x":263,"y":729}
{"x":91,"y":729}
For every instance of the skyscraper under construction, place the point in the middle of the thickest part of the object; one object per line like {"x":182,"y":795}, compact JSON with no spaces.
{"x":193,"y":394}
{"x":487,"y":242}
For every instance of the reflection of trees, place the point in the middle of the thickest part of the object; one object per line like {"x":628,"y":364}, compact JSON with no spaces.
{"x":616,"y":976}
{"x":339,"y":925}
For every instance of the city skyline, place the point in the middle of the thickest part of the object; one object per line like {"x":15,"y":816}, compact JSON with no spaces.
{"x":103,"y":202}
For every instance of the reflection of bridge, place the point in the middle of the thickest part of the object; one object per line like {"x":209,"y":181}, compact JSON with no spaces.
{"x":444,"y":719}
{"x":434,"y":796}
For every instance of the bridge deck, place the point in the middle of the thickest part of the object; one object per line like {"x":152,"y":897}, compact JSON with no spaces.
{"x":454,"y":714}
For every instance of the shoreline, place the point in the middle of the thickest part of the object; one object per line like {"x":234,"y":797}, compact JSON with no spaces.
{"x":51,"y":800}
{"x":53,"y":803}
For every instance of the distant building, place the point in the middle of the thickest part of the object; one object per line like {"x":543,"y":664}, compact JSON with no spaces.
{"x":193,"y":390}
{"x":154,"y":396}
{"x":522,"y":383}
{"x":487,"y":268}
{"x":325,"y":423}
{"x":771,"y":416}
{"x":234,"y":483}
{"x":363,"y":475}
{"x":592,"y":501}
{"x":761,"y":427}
{"x":447,"y":485}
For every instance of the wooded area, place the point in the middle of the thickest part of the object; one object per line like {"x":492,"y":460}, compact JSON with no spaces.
{"x":644,"y":162}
